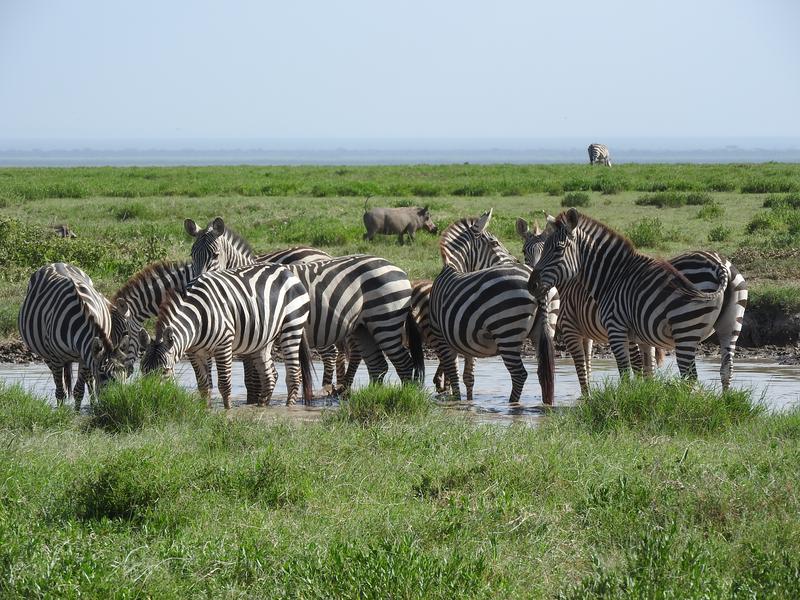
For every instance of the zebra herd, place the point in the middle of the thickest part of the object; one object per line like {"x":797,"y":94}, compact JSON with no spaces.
{"x":578,"y":276}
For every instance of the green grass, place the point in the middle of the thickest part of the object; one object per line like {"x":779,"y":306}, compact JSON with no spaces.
{"x":374,"y":403}
{"x":21,"y":411}
{"x":132,"y":216}
{"x":577,"y":199}
{"x":656,"y":490}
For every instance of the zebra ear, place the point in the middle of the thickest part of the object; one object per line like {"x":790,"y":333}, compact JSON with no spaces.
{"x":218,"y":226}
{"x":97,"y":347}
{"x":479,"y":225}
{"x":144,"y":338}
{"x":551,"y":219}
{"x":572,"y":219}
{"x":190,"y":227}
{"x":522,"y":228}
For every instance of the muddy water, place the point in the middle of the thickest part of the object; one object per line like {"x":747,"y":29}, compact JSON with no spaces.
{"x":779,"y":384}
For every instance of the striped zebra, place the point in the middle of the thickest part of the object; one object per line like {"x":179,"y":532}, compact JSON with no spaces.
{"x":217,"y":247}
{"x":599,"y":155}
{"x":580,"y":323}
{"x":242,"y":312}
{"x":368,"y":298}
{"x":420,"y":312}
{"x":64,"y":319}
{"x":639,"y":299}
{"x":480,"y":306}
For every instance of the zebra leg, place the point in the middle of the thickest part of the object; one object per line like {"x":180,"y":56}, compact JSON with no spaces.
{"x":270,"y":378}
{"x":354,"y":362}
{"x":587,"y":352}
{"x":84,"y":381}
{"x":329,"y":363}
{"x":290,"y":343}
{"x":685,"y":351}
{"x":439,"y":379}
{"x":648,"y":354}
{"x":513,"y":362}
{"x":224,"y":359}
{"x":637,"y":361}
{"x":252,"y":378}
{"x":575,"y":347}
{"x":373,"y":356}
{"x":58,"y":378}
{"x":619,"y":346}
{"x":341,"y":364}
{"x":469,"y":376}
{"x":202,"y":371}
{"x":449,"y":361}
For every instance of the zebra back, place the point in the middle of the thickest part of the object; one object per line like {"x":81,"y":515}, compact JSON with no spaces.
{"x":296,"y":254}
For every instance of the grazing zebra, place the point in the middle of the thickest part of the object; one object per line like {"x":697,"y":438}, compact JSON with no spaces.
{"x":243,"y":312}
{"x":639,"y":299}
{"x":219,"y":247}
{"x":580,"y":322}
{"x":64,"y":319}
{"x":367,"y":297}
{"x":420,"y":312}
{"x":598,"y":155}
{"x":480,"y":306}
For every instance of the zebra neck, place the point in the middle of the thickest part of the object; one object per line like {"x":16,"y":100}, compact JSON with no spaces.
{"x":604,"y":259}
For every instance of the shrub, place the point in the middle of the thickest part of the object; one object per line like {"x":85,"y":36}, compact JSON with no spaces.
{"x":663,"y":200}
{"x":470,"y":189}
{"x":782,"y":201}
{"x":720,"y":233}
{"x":425,"y":190}
{"x":646,"y":233}
{"x":698,"y":199}
{"x":710,"y":212}
{"x":144,"y":401}
{"x":22,"y":411}
{"x":664,"y":406}
{"x":136,"y":210}
{"x":575,"y":199}
{"x":376,"y":402}
{"x":554,"y":189}
{"x":765,"y":186}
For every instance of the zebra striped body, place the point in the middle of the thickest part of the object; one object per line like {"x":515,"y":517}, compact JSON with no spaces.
{"x":361,"y":291}
{"x":639,"y":299}
{"x":580,"y":323}
{"x":480,"y":306}
{"x":218,"y":247}
{"x":242,"y":312}
{"x":599,"y":155}
{"x":64,"y":319}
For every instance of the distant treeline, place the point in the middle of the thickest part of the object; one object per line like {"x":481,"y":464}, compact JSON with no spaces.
{"x":418,"y":180}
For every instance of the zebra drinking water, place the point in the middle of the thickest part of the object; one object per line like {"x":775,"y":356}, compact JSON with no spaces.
{"x":480,"y":306}
{"x":64,"y":319}
{"x":639,"y":299}
{"x":580,"y":322}
{"x":599,"y":155}
{"x":242,"y":312}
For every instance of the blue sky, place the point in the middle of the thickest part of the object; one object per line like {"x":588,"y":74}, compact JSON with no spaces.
{"x":414,"y":69}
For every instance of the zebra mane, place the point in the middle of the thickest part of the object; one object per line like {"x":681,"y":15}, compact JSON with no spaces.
{"x":166,"y":308}
{"x":153,"y":271}
{"x":237,"y":241}
{"x":452,"y":231}
{"x":90,"y":316}
{"x":678,"y":280}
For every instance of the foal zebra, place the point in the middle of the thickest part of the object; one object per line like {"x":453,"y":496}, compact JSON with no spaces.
{"x":580,"y":322}
{"x":243,"y":312}
{"x":599,"y":155}
{"x":480,"y":306}
{"x":64,"y":319}
{"x":639,"y":299}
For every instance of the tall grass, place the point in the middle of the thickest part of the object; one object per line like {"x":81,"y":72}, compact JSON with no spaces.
{"x":374,"y":403}
{"x":664,"y":406}
{"x":144,"y":401}
{"x":22,"y":411}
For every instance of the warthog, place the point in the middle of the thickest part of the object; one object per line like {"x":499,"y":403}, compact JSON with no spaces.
{"x":63,"y":231}
{"x":397,"y":220}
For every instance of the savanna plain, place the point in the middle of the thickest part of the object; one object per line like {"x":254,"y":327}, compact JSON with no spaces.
{"x":647,"y":489}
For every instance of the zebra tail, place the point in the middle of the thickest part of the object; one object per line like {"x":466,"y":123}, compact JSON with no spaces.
{"x":415,"y":347}
{"x":306,"y":370}
{"x":68,"y":379}
{"x":546,"y":367}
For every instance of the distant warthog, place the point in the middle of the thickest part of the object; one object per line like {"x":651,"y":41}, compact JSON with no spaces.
{"x":63,"y":231}
{"x":397,"y":220}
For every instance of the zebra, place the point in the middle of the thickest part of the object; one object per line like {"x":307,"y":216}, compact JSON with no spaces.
{"x":599,"y":155}
{"x":241,"y":311}
{"x":480,"y":306}
{"x":640,"y":299}
{"x":64,"y":319}
{"x":581,"y":322}
{"x":420,"y":312}
{"x":217,"y":246}
{"x":369,"y":298}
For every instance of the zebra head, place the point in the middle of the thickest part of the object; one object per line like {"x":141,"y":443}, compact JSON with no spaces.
{"x":533,"y":239}
{"x":160,"y":354}
{"x":216,"y":247}
{"x":109,"y":362}
{"x":466,"y":245}
{"x":559,"y":259}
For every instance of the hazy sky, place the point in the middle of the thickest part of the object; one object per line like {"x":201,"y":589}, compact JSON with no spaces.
{"x":434,"y":68}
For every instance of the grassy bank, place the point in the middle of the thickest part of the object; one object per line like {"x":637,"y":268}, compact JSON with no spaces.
{"x":128,"y":217}
{"x":407,"y":502}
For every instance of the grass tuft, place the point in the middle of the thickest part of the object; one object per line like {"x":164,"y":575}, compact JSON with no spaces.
{"x":22,"y":411}
{"x":375,"y":403}
{"x":144,"y":401}
{"x":575,"y":199}
{"x":647,"y":233}
{"x":664,"y":406}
